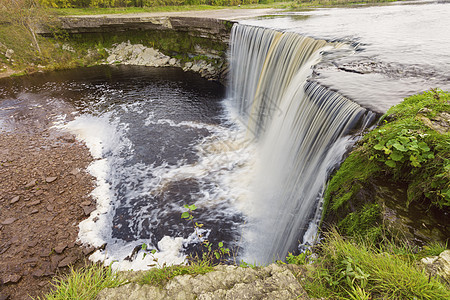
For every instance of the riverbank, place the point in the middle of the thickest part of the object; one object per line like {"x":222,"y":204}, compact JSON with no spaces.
{"x":44,"y":194}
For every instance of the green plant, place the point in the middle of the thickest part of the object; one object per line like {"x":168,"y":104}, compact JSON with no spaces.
{"x":403,"y":148}
{"x":84,"y":283}
{"x":432,"y":249}
{"x":159,"y":276}
{"x":410,"y":148}
{"x":301,"y":259}
{"x":360,"y":269}
{"x":220,"y":252}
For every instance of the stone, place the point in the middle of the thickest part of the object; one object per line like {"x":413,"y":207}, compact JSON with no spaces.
{"x":88,"y":209}
{"x":11,"y":278}
{"x":4,"y":296}
{"x":69,"y":260}
{"x":225,"y":282}
{"x":438,"y":265}
{"x":30,"y":184}
{"x":56,"y":259}
{"x":32,"y":244}
{"x":172,"y":61}
{"x":75,"y":171}
{"x":50,"y":179}
{"x":9,"y":53}
{"x":86,"y":203}
{"x":88,"y":250}
{"x":60,"y":248}
{"x":8,"y":221}
{"x":38,"y":273}
{"x":33,"y":203}
{"x":15,"y":199}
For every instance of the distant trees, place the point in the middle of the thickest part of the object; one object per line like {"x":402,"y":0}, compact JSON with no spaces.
{"x":138,"y":3}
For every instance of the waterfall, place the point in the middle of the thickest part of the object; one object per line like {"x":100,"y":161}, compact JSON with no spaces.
{"x":300,"y":127}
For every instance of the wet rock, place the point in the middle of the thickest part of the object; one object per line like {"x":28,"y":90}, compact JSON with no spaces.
{"x":88,"y":209}
{"x":38,"y":273}
{"x":31,"y":184}
{"x":50,"y":179}
{"x":60,"y":248}
{"x":85,"y":203}
{"x":4,"y":296}
{"x":8,"y":221}
{"x":11,"y":278}
{"x":33,"y":203}
{"x":88,"y":250}
{"x":15,"y":199}
{"x":67,"y":261}
{"x":56,"y":259}
{"x":75,"y":172}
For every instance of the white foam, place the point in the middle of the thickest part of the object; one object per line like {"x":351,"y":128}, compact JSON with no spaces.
{"x":224,"y":159}
{"x":169,"y":254}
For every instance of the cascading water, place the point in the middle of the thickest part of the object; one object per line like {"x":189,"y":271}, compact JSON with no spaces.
{"x":300,"y":128}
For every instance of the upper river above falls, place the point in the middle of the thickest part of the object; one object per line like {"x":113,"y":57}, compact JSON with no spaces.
{"x":397,"y":49}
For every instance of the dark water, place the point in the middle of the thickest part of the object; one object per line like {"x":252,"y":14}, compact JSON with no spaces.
{"x":151,"y":130}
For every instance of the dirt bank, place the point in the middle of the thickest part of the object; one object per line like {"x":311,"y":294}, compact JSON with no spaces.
{"x":44,"y":194}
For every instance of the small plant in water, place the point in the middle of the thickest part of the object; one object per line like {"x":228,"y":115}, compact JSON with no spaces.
{"x":210,"y":254}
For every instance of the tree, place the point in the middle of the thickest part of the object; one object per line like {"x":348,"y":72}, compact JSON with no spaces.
{"x":26,"y":13}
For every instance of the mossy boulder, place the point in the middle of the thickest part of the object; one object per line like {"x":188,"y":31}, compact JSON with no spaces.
{"x":398,"y":176}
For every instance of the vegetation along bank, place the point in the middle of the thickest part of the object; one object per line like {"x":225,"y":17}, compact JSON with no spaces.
{"x":373,"y":248}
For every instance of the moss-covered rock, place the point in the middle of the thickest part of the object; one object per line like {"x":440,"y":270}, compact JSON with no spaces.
{"x":409,"y":151}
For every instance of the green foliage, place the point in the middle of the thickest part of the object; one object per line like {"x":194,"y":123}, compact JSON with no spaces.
{"x":139,"y":3}
{"x":360,"y":270}
{"x":363,"y":222}
{"x":301,"y":259}
{"x":160,"y":276}
{"x":219,"y":253}
{"x":404,"y":149}
{"x":433,"y":249}
{"x":84,"y":283}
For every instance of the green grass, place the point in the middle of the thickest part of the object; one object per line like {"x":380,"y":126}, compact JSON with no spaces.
{"x":288,"y":5}
{"x":349,"y":269}
{"x":84,"y":283}
{"x":160,"y":276}
{"x":130,"y":10}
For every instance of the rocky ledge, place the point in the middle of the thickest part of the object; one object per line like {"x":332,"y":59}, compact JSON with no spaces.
{"x":225,"y":282}
{"x":138,"y":54}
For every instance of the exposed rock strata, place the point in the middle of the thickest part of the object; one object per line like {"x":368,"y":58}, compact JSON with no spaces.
{"x":138,"y":54}
{"x":225,"y":282}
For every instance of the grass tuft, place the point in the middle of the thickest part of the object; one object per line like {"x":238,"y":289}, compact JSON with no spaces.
{"x":84,"y":283}
{"x":358,"y":269}
{"x":160,"y":276}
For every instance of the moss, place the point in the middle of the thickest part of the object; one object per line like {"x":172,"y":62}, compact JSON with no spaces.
{"x":365,"y":222}
{"x":411,"y":147}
